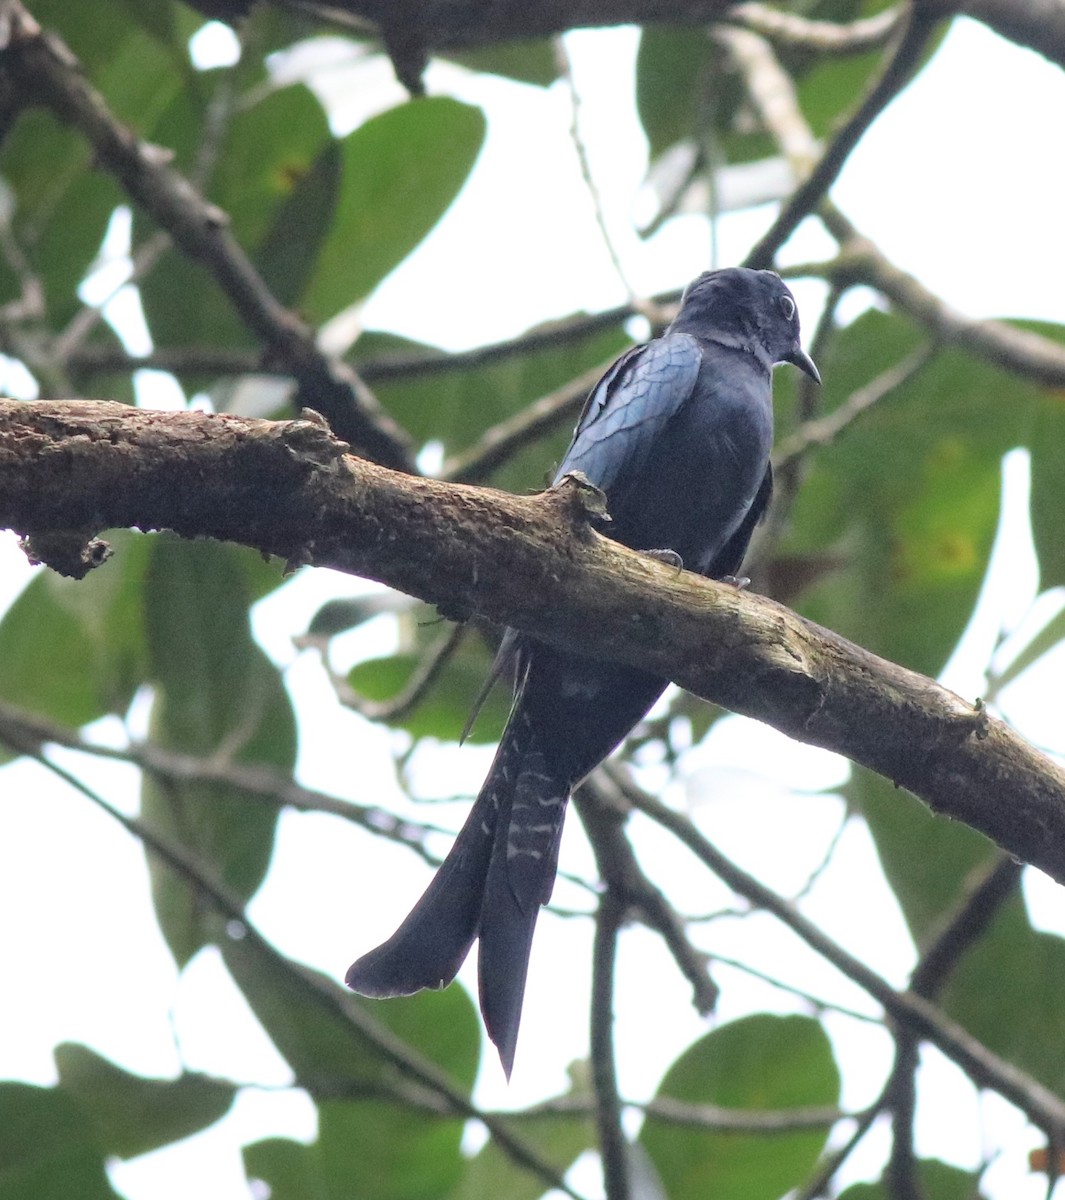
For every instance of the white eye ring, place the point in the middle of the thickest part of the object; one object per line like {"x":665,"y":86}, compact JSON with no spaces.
{"x":787,"y":307}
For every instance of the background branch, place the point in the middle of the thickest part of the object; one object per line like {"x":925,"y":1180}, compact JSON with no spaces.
{"x":42,"y":65}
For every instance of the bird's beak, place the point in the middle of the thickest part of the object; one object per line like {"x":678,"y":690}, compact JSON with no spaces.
{"x":799,"y":358}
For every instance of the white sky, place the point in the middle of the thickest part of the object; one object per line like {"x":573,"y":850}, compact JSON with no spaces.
{"x":960,"y":183}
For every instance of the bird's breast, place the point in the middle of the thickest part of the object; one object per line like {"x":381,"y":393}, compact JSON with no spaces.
{"x":698,"y":482}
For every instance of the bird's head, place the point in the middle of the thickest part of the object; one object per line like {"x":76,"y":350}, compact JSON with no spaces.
{"x":751,"y":310}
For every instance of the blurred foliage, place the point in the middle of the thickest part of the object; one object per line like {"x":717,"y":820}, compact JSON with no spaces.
{"x":757,"y":1063}
{"x":899,"y":513}
{"x":937,"y":1181}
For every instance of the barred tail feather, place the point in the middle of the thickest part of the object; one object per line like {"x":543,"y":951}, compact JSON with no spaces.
{"x":521,"y":876}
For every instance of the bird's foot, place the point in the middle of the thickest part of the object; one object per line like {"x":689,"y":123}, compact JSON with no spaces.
{"x":670,"y":557}
{"x":739,"y":582}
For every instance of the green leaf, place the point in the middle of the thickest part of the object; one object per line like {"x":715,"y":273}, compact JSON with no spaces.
{"x":558,"y":1139}
{"x":1045,"y":439}
{"x":73,"y":650}
{"x":291,"y":1170}
{"x":672,"y":70}
{"x":169,"y":23}
{"x":217,"y":694}
{"x":132,"y":1115}
{"x":402,"y":170}
{"x":686,"y":85}
{"x":348,"y":612}
{"x":926,"y":858}
{"x":1007,"y":987}
{"x":908,"y":496}
{"x":938,"y":1181}
{"x":276,"y":182}
{"x":375,"y":1148}
{"x":444,"y":709}
{"x":48,"y":1148}
{"x":455,"y":407}
{"x":1007,"y":992}
{"x":270,"y":149}
{"x":759,"y":1062}
{"x":331,"y":1058}
{"x":62,"y":203}
{"x":287,"y":253}
{"x":100,"y":35}
{"x":62,"y":207}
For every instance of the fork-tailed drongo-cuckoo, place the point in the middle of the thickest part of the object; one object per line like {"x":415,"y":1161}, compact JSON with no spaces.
{"x":677,"y":434}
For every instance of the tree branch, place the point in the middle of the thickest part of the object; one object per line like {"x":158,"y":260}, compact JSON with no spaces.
{"x":613,"y":1147}
{"x":286,"y":488}
{"x":254,"y":780}
{"x":457,"y":24}
{"x":1037,"y":24}
{"x":826,"y":37}
{"x":1012,"y":349}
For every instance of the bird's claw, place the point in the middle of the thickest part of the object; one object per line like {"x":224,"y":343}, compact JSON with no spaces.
{"x":670,"y":557}
{"x":739,"y":582}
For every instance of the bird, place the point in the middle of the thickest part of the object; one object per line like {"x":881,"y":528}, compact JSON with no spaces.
{"x":677,"y":434}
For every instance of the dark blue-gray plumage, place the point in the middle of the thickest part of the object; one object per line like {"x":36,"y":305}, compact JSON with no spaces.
{"x":677,"y":434}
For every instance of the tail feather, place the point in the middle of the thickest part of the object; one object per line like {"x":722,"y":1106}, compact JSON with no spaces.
{"x":427,"y":950}
{"x":521,"y":876}
{"x":567,"y":716}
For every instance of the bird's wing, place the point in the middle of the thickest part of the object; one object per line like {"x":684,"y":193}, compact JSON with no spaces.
{"x":730,"y":558}
{"x":628,"y":409}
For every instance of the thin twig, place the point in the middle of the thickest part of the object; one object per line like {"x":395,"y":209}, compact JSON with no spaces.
{"x":817,"y":1003}
{"x":565,"y":67}
{"x":894,"y":77}
{"x":256,"y":781}
{"x":412,"y":693}
{"x":981,"y":901}
{"x":825,"y":37}
{"x":501,"y":442}
{"x":772,"y":93}
{"x":922,"y":1018}
{"x":828,"y":1166}
{"x":31,"y":304}
{"x":603,"y":813}
{"x":826,"y":859}
{"x":712,"y":1117}
{"x":824,"y":430}
{"x":613,"y":1147}
{"x":86,"y":319}
{"x":1019,"y":351}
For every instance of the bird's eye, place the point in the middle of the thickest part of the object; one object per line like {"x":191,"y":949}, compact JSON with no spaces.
{"x":787,"y":307}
